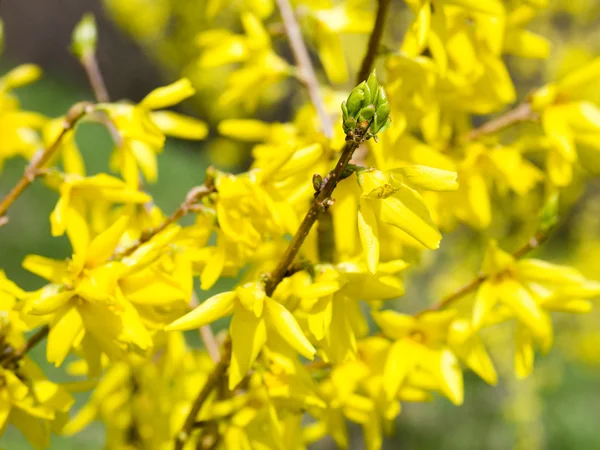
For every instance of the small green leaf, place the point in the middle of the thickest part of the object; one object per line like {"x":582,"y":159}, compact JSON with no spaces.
{"x":85,"y":36}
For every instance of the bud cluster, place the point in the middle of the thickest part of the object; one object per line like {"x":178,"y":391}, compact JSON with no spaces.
{"x":367,"y":108}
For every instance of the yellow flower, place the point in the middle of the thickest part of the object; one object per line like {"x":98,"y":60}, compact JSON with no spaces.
{"x":32,"y":403}
{"x":93,"y":297}
{"x":472,"y":203}
{"x":528,"y":290}
{"x":20,"y":128}
{"x":260,"y":66}
{"x":142,"y":129}
{"x":79,"y":197}
{"x":568,"y":119}
{"x":420,"y":343}
{"x":254,"y":315}
{"x":391,"y":199}
{"x":326,"y":23}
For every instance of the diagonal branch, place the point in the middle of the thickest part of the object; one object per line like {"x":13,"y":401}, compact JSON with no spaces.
{"x":519,"y":114}
{"x":74,"y":115}
{"x":533,"y":243}
{"x":320,"y":204}
{"x":383,"y":8}
{"x":292,"y":29}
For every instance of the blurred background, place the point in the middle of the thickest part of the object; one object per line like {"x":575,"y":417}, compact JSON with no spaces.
{"x":146,"y":43}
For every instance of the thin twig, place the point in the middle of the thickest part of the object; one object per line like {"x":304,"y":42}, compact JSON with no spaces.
{"x":212,"y":381}
{"x":522,"y":113}
{"x":90,"y":64}
{"x":383,"y":7}
{"x":321,"y":203}
{"x":194,"y":195}
{"x":74,"y":115}
{"x":303,"y":62}
{"x":533,"y":243}
{"x":35,"y":339}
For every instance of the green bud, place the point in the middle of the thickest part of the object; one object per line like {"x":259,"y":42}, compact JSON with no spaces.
{"x":355,"y":100}
{"x":549,"y":213}
{"x":373,"y":84}
{"x":349,"y":124}
{"x":368,"y":94}
{"x":383,"y":111}
{"x":367,"y":109}
{"x":381,"y":97}
{"x":380,"y":127}
{"x":344,"y":111}
{"x":317,"y":181}
{"x":366,"y":113}
{"x":85,"y":36}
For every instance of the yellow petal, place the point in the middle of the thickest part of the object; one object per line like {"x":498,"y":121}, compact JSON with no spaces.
{"x":589,"y":73}
{"x":332,"y":57}
{"x":492,"y":7}
{"x":103,"y":246}
{"x":554,"y":121}
{"x":252,"y":297}
{"x":428,"y":178}
{"x":524,"y":353}
{"x":37,"y":432}
{"x":62,"y":336}
{"x":451,"y":377}
{"x":49,"y":269}
{"x":394,"y":324}
{"x":526,"y":44}
{"x":48,"y":299}
{"x":559,"y":168}
{"x":406,"y":210}
{"x":245,"y":129}
{"x":211,"y":309}
{"x":523,"y":306}
{"x":248,"y":336}
{"x":485,"y":300}
{"x":544,"y":272}
{"x":214,"y":266}
{"x":401,"y":360}
{"x":369,"y":233}
{"x":5,"y":407}
{"x":20,"y":76}
{"x":168,"y":95}
{"x":180,"y":126}
{"x":152,"y":287}
{"x":287,"y":327}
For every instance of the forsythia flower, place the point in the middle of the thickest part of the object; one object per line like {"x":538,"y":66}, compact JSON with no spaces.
{"x":255,"y":316}
{"x":142,"y":129}
{"x":261,"y":66}
{"x":528,"y":290}
{"x":568,"y":118}
{"x":20,"y":128}
{"x":390,"y":199}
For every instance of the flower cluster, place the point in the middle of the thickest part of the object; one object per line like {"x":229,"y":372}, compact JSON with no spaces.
{"x":313,"y":239}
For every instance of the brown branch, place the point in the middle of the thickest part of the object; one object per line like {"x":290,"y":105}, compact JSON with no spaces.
{"x":211,"y":383}
{"x":90,"y":64}
{"x":193,"y":196}
{"x":383,"y":7}
{"x":74,"y":115}
{"x":33,"y":340}
{"x":308,"y":75}
{"x":538,"y":239}
{"x":320,"y":203}
{"x":519,"y":114}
